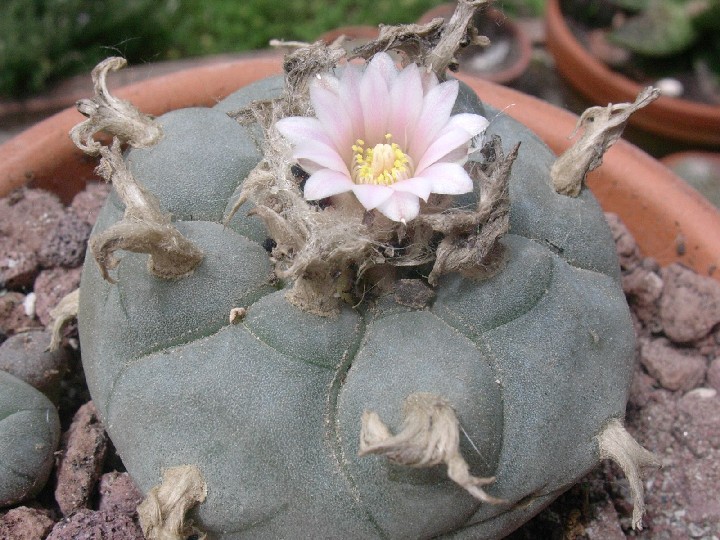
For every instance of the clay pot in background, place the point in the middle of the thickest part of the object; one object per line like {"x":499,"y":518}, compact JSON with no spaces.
{"x":677,"y":119}
{"x":354,"y":36}
{"x":699,"y":169}
{"x":44,"y":156}
{"x":505,"y":59}
{"x":670,"y":220}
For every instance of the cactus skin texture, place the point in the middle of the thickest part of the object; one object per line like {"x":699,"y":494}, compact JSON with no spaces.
{"x":535,"y":361}
{"x":29,"y":436}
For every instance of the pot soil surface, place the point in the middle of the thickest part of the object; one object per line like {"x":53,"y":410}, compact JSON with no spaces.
{"x":674,"y":407}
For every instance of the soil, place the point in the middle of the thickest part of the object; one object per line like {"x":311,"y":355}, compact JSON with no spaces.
{"x":674,"y":407}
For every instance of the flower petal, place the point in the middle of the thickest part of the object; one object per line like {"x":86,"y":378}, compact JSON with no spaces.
{"x":375,"y":102}
{"x":420,"y":186}
{"x":333,"y":117}
{"x":474,"y":124}
{"x":448,"y":142}
{"x":448,"y":179}
{"x":314,"y":155}
{"x":370,"y":195}
{"x":437,"y":106}
{"x":383,"y":63}
{"x":298,"y":129}
{"x":325,"y":183}
{"x":459,"y":156}
{"x":406,"y":101}
{"x":400,"y":207}
{"x":429,"y":80}
{"x":349,"y":93}
{"x":328,"y":81}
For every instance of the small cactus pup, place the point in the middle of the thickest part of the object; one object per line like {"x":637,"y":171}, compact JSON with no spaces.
{"x":351,"y":304}
{"x":29,"y":435}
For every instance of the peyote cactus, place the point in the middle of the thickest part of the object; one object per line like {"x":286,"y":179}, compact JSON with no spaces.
{"x":344,"y":340}
{"x":29,"y":435}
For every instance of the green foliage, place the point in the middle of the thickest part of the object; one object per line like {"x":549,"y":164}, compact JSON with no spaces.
{"x":666,"y":27}
{"x":228,"y":25}
{"x":43,"y":39}
{"x":631,"y":5}
{"x":521,"y":8}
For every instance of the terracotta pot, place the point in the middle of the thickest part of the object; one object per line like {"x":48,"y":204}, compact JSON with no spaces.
{"x":658,"y":207}
{"x":508,"y":55}
{"x":674,"y":118}
{"x":44,"y":156}
{"x":355,"y":36}
{"x":699,"y":169}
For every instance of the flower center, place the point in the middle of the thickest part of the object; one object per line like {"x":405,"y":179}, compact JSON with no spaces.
{"x":381,"y":165}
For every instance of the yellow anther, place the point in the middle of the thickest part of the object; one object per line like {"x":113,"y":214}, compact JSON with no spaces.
{"x":383,"y":164}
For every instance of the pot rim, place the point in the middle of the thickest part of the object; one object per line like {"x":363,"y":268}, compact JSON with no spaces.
{"x":646,"y":194}
{"x":671,"y":117}
{"x":524,"y":45}
{"x":353,"y":31}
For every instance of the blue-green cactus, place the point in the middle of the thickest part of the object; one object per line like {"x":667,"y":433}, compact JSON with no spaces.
{"x":29,"y":435}
{"x":485,"y":396}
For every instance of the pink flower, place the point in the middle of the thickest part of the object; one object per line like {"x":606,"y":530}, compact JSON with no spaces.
{"x":386,"y":135}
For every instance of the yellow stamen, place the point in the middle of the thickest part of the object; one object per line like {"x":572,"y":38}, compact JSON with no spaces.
{"x":383,"y":165}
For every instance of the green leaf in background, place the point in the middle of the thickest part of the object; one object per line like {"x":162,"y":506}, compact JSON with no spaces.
{"x":707,"y":16}
{"x":631,"y":5}
{"x":42,"y":40}
{"x":45,"y":40}
{"x":663,"y":29}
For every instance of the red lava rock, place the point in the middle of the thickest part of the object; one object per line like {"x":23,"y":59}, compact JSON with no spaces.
{"x":653,"y":425}
{"x":643,"y":289}
{"x":605,"y":525}
{"x":26,"y":356}
{"x":18,"y":266}
{"x":697,"y":424}
{"x":23,"y":523}
{"x":641,"y":389}
{"x":13,"y":318}
{"x":625,"y":245}
{"x":118,"y":493}
{"x":709,"y":346}
{"x":690,"y":305}
{"x":26,"y":219}
{"x":673,"y":368}
{"x":713,"y":374}
{"x":94,"y":525}
{"x":67,"y":246}
{"x":87,"y":204}
{"x":702,"y":478}
{"x":83,"y":449}
{"x":51,"y":286}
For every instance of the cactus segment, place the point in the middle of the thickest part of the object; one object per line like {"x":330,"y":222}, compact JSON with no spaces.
{"x":430,"y":435}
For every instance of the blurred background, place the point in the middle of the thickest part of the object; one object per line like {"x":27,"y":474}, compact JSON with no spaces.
{"x":43,"y":41}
